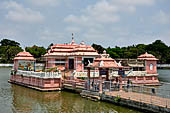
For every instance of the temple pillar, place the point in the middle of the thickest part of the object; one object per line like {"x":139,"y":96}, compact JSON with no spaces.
{"x":107,"y":74}
{"x":153,"y":78}
{"x":100,"y":84}
{"x":120,"y":72}
{"x":120,"y":81}
{"x":100,"y":80}
{"x":144,"y":78}
{"x":88,"y":74}
{"x":136,"y":78}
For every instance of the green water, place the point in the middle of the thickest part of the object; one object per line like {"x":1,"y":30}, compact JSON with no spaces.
{"x":18,"y":99}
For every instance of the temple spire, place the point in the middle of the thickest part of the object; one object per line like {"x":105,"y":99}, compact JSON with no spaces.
{"x":72,"y":42}
{"x":72,"y":36}
{"x":24,"y":49}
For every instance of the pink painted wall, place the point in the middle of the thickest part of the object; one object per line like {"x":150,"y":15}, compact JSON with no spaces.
{"x":38,"y":82}
{"x":50,"y":65}
{"x":79,"y":64}
{"x":51,"y":83}
{"x":147,"y":65}
{"x":66,"y":64}
{"x":15,"y":64}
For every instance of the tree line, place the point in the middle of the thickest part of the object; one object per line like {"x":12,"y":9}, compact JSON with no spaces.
{"x":158,"y":48}
{"x":9,"y":49}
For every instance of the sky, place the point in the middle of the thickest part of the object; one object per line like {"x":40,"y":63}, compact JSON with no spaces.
{"x":105,"y":22}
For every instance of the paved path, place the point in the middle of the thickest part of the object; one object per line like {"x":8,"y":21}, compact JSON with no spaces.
{"x":139,"y":97}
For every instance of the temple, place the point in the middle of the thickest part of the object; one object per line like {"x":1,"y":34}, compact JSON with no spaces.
{"x":25,"y":74}
{"x":70,"y":56}
{"x":80,"y":61}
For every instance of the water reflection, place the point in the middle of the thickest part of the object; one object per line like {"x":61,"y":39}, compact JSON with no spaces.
{"x":18,"y":99}
{"x":27,"y":100}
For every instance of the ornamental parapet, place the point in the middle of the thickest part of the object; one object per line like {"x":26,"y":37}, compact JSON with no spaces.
{"x":137,"y":73}
{"x":84,"y":74}
{"x":133,"y":73}
{"x":44,"y":75}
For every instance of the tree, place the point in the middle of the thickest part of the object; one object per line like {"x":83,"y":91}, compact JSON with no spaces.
{"x":158,"y":48}
{"x":49,"y":47}
{"x":99,"y":48}
{"x":36,"y":51}
{"x":8,"y":50}
{"x":6,"y":42}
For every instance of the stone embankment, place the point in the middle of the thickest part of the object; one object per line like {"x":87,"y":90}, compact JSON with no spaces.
{"x":131,"y":99}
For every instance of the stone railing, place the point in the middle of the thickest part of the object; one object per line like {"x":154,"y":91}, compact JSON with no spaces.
{"x":84,"y":74}
{"x":137,"y":73}
{"x":133,"y":73}
{"x":113,"y":73}
{"x":39,"y":74}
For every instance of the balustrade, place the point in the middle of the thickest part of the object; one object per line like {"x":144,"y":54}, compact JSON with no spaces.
{"x":39,"y":74}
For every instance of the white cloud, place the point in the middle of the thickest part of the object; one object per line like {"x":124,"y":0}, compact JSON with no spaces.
{"x":17,"y":12}
{"x":6,"y":32}
{"x":165,"y":36}
{"x":50,"y":35}
{"x":161,"y":18}
{"x":73,"y":29}
{"x":106,"y":11}
{"x":100,"y":13}
{"x":44,"y":2}
{"x":133,"y":2}
{"x":98,"y":20}
{"x":130,"y":5}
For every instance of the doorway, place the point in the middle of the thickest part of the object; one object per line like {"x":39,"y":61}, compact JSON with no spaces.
{"x":71,"y":63}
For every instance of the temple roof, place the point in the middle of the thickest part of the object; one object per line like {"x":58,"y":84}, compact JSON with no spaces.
{"x":24,"y":56}
{"x":104,"y":62}
{"x":72,"y":50}
{"x":147,"y":56}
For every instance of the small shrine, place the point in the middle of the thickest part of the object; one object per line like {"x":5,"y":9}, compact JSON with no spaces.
{"x":103,"y":64}
{"x":24,"y":61}
{"x":150,"y":63}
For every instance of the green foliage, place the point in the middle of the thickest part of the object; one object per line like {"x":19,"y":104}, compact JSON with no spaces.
{"x":6,"y":42}
{"x":49,"y":47}
{"x":54,"y":69}
{"x":99,"y":48}
{"x":157,"y":48}
{"x":8,"y":50}
{"x":117,"y":99}
{"x":36,"y":51}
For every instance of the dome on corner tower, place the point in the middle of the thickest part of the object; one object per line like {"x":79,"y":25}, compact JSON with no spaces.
{"x":147,"y":56}
{"x":24,"y":56}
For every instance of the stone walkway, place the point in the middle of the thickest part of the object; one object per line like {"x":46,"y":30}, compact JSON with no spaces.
{"x":144,"y":98}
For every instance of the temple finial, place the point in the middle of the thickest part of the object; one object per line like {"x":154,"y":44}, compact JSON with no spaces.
{"x":24,"y":49}
{"x":72,"y":42}
{"x":72,"y":36}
